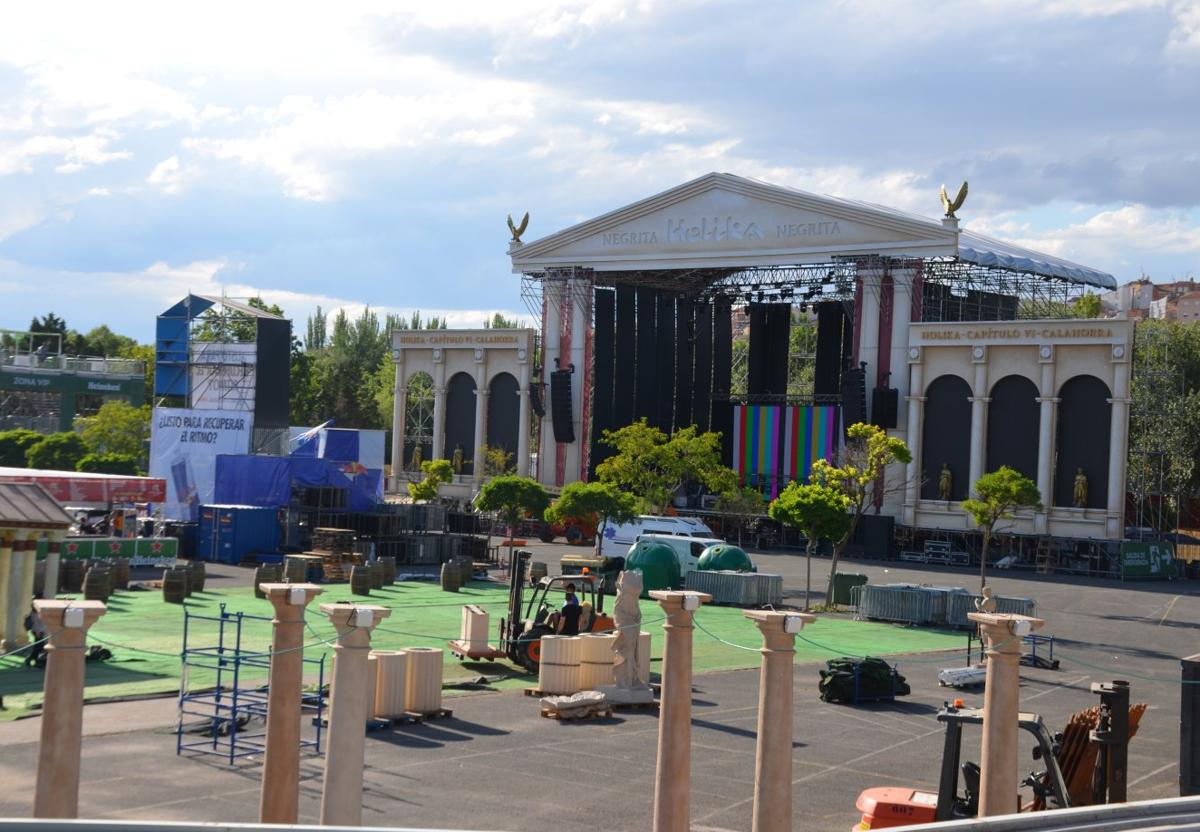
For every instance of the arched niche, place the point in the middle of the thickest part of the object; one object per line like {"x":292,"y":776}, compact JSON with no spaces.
{"x":1084,"y":421}
{"x":418,"y":419}
{"x":946,"y":437}
{"x":503,"y":413}
{"x":460,"y":419}
{"x":1013,"y":424}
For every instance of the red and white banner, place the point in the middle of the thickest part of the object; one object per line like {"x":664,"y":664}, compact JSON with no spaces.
{"x":70,"y":489}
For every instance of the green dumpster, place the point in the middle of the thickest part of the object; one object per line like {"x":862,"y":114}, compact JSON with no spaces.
{"x":843,"y":582}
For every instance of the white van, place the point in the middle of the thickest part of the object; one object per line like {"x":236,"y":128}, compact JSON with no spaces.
{"x":617,"y":538}
{"x":687,"y":549}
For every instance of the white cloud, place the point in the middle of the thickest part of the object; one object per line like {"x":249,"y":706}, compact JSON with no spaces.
{"x":167,"y":175}
{"x":75,"y":153}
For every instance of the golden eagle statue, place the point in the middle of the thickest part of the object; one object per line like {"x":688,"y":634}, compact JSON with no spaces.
{"x":518,"y":230}
{"x":952,"y":206}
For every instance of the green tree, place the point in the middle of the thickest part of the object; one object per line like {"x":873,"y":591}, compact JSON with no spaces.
{"x":818,"y":511}
{"x":145,"y":354}
{"x":511,"y":498}
{"x":497,"y":461}
{"x":1087,"y":306}
{"x":123,"y":464}
{"x":601,"y":500}
{"x":437,"y":472}
{"x":498,"y":321}
{"x":741,"y":505}
{"x":652,"y":466}
{"x":14,"y":444}
{"x":117,"y":428}
{"x":57,"y":452}
{"x":867,"y":451}
{"x":997,"y":495}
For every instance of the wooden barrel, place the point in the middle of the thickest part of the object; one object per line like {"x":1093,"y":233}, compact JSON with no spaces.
{"x":451,"y":577}
{"x":375,"y":570}
{"x":295,"y":570}
{"x":266,"y":573}
{"x":360,"y":580}
{"x":70,"y":574}
{"x":198,"y":575}
{"x":97,"y":584}
{"x":537,"y":571}
{"x":388,"y":564}
{"x":465,"y":567}
{"x":175,"y":583}
{"x":120,"y":573}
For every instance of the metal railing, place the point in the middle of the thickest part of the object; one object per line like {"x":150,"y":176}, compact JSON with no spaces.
{"x":76,"y":364}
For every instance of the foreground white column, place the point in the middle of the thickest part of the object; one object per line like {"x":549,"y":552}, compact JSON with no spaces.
{"x":349,"y":708}
{"x":1001,"y":633}
{"x":773,"y":756}
{"x":57,"y":792}
{"x":1117,"y":453}
{"x":281,"y":762}
{"x":16,"y":604}
{"x":902,"y":291}
{"x":54,"y":541}
{"x":672,"y":784}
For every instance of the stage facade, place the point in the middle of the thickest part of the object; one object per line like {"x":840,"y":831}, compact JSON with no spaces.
{"x":777,"y":317}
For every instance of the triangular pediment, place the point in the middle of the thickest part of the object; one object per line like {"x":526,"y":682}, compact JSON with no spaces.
{"x":722,"y":220}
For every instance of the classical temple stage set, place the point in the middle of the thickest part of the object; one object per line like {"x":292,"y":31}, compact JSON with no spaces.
{"x":958,"y":343}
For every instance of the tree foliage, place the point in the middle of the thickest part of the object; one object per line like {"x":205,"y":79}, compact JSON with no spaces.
{"x":437,"y":472}
{"x":57,"y":452}
{"x":867,"y":451}
{"x":741,"y":505}
{"x":601,"y":500}
{"x":123,"y":464}
{"x":117,"y":428}
{"x":511,"y":498}
{"x":997,"y":495}
{"x":1087,"y":305}
{"x":14,"y":444}
{"x":497,"y":461}
{"x":653,"y":466}
{"x":820,"y":512}
{"x":1164,"y":421}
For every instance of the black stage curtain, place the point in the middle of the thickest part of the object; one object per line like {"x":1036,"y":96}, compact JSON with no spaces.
{"x":722,"y":413}
{"x":684,"y":344}
{"x":779,"y":331}
{"x":625,"y":377}
{"x":827,"y":374}
{"x":664,"y":337}
{"x":647,"y":364}
{"x":602,"y":375}
{"x":274,"y":342}
{"x":946,"y":438}
{"x":756,"y":368}
{"x":702,"y":385}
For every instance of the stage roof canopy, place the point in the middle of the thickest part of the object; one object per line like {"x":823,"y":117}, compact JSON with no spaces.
{"x":723,"y":221}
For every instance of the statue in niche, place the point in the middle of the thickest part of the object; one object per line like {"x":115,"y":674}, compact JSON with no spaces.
{"x":456,"y":461}
{"x":945,"y":482}
{"x":416,"y":457}
{"x":627,"y":614}
{"x":1081,"y":489}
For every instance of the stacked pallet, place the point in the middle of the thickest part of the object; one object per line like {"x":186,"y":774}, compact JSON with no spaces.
{"x":336,"y":549}
{"x":1077,"y":753}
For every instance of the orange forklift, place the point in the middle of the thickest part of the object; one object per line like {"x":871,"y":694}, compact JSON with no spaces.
{"x":889,"y":806}
{"x":521,"y":631}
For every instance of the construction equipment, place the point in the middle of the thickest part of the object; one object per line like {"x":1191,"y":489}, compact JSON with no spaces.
{"x":522,"y":629}
{"x":891,"y":806}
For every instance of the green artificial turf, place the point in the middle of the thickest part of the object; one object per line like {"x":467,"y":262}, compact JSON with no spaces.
{"x":145,"y":635}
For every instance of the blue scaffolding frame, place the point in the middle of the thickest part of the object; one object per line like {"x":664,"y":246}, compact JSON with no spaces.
{"x":228,"y":705}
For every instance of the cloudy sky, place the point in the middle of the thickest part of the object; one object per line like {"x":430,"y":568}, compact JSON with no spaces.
{"x":366,"y":153}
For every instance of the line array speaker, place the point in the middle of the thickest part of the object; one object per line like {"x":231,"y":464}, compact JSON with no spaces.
{"x":560,"y":405}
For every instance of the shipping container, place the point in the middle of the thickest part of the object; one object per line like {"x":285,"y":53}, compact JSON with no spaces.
{"x":230,"y":534}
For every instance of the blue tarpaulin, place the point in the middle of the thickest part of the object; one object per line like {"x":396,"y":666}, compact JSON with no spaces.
{"x":338,"y":443}
{"x":247,"y":480}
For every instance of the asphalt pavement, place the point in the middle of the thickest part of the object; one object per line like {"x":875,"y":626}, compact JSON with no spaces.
{"x":496,"y":764}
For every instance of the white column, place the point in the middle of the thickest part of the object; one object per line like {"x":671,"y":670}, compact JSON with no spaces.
{"x":914,"y":424}
{"x":399,"y":408}
{"x":579,"y":300}
{"x":979,"y":402}
{"x":481,"y":399}
{"x":1117,"y":451}
{"x":16,"y":606}
{"x":1045,"y":463}
{"x":524,"y":423}
{"x":901,"y":317}
{"x":54,"y":542}
{"x":439,"y":411}
{"x":868,"y":337}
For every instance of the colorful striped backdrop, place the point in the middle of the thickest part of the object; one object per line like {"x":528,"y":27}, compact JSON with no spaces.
{"x":773,"y":444}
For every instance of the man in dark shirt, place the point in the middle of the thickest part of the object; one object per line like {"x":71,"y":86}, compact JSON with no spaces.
{"x":568,"y":620}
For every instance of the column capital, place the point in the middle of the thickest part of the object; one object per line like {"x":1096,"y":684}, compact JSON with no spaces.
{"x":53,"y":613}
{"x":779,"y":628}
{"x":280,"y":596}
{"x":676,"y":605}
{"x":1002,"y":631}
{"x":351,"y":629}
{"x":1119,"y":400}
{"x":1048,"y":399}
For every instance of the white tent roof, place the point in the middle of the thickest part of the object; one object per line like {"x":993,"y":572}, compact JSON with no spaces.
{"x":987,"y":251}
